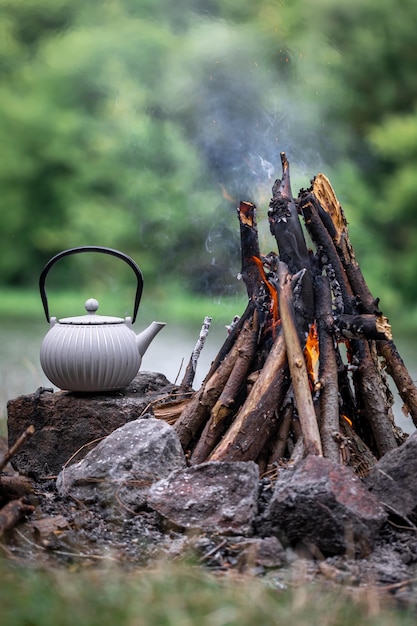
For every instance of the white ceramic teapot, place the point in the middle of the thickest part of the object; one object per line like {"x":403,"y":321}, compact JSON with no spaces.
{"x":92,"y":352}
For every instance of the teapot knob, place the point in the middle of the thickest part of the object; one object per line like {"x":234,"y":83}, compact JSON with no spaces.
{"x":91,"y":305}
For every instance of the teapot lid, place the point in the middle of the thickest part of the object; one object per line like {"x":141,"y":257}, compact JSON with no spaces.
{"x":91,"y":307}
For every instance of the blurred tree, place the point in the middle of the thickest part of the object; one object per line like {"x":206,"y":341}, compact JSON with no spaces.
{"x":139,"y":124}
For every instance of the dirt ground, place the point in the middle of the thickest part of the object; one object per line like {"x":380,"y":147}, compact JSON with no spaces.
{"x":64,"y":533}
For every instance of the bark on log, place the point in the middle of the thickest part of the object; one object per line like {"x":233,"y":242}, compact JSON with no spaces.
{"x":285,"y":226}
{"x":197,"y":412}
{"x":365,"y":326}
{"x":280,"y":444}
{"x":257,"y":418}
{"x":298,"y":370}
{"x":246,"y":346}
{"x":336,"y":222}
{"x":249,"y":244}
{"x":329,"y":387}
{"x":371,"y":394}
{"x":327,"y":253}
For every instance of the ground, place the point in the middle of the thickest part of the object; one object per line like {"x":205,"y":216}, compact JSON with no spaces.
{"x":65,"y":533}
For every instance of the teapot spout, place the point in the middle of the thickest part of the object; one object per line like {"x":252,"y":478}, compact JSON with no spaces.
{"x":146,"y":336}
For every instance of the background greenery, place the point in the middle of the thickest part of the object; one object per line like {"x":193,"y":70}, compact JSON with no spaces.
{"x":139,"y":124}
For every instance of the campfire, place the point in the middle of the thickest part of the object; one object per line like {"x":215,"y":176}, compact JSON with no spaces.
{"x":304,"y":370}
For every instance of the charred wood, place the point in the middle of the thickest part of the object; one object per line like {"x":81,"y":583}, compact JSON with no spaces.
{"x":329,"y":387}
{"x":364,"y":326}
{"x":336,"y":222}
{"x":371,"y":393}
{"x":258,"y":417}
{"x":297,"y":366}
{"x":246,"y":345}
{"x":249,"y":247}
{"x":285,"y":226}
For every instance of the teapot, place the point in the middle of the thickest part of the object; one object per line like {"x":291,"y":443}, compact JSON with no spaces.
{"x":92,"y":352}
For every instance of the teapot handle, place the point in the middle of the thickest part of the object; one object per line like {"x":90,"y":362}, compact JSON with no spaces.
{"x":104,"y":250}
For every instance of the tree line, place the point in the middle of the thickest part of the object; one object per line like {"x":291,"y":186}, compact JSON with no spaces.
{"x":140,"y":124}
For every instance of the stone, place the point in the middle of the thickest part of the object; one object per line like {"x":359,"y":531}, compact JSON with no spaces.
{"x":393,"y":479}
{"x":211,"y":497}
{"x":68,"y":424}
{"x":119,"y":471}
{"x":259,"y":552}
{"x":323,"y":506}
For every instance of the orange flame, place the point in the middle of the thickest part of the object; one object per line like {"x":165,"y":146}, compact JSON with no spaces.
{"x":272,"y":290}
{"x":311,"y":352}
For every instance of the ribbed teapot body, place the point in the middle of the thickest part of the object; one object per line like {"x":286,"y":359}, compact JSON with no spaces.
{"x":90,"y":357}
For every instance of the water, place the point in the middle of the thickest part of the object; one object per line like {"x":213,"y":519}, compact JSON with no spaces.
{"x":169,"y":353}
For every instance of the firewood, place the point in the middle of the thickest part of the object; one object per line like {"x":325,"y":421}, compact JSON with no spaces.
{"x":279,"y":444}
{"x":13,"y":512}
{"x":12,"y":487}
{"x":197,"y":411}
{"x":246,"y":345}
{"x":345,"y":300}
{"x":372,"y":396}
{"x":257,"y":418}
{"x":297,"y":365}
{"x":365,"y":326}
{"x":397,"y":370}
{"x":329,"y":387}
{"x":337,"y":223}
{"x":249,"y":246}
{"x":285,"y":226}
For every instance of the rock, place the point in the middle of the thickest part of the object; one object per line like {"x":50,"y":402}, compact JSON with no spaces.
{"x":65,"y":422}
{"x":212,"y":497}
{"x":266,"y":552}
{"x":324,"y":506}
{"x":393,"y":479}
{"x":119,"y":471}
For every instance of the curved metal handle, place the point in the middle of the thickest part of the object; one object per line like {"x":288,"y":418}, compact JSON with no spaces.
{"x":104,"y":250}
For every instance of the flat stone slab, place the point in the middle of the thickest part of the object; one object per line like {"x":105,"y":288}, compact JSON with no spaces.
{"x":67,"y":422}
{"x":393,"y":479}
{"x":212,"y":497}
{"x":323,"y":505}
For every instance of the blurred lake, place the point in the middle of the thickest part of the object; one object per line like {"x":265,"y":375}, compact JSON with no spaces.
{"x":169,"y":353}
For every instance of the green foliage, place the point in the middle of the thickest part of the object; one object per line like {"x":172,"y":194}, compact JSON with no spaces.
{"x":139,"y":125}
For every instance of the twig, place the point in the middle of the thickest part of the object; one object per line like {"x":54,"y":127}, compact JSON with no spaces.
{"x":15,"y":447}
{"x":190,"y":371}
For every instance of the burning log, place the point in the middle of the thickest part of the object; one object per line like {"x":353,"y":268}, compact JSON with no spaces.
{"x":257,"y":418}
{"x":261,"y":399}
{"x":328,"y":377}
{"x":297,"y":365}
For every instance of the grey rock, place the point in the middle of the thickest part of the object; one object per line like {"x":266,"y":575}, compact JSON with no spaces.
{"x":119,"y":471}
{"x":67,"y":423}
{"x":393,"y":479}
{"x":325,"y":507}
{"x":212,"y":497}
{"x":258,"y":552}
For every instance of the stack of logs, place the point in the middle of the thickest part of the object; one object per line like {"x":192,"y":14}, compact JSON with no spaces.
{"x":304,"y":369}
{"x":15,"y":490}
